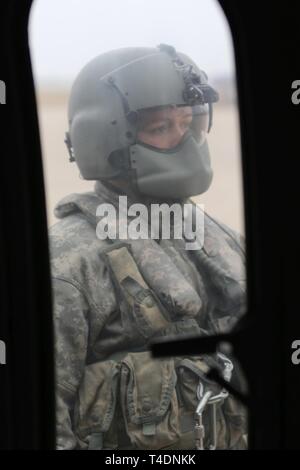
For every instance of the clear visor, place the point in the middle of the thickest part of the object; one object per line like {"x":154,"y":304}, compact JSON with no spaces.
{"x":165,"y":127}
{"x":200,"y":122}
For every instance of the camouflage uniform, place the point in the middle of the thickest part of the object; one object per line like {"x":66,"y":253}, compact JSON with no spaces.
{"x":110,"y":392}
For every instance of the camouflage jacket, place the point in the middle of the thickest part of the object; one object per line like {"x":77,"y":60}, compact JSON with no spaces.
{"x":102,"y":338}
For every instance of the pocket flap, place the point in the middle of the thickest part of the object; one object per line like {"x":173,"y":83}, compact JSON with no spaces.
{"x":149,"y":400}
{"x":149,"y":385}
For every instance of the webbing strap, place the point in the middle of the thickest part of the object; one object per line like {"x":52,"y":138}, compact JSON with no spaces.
{"x":134,"y":287}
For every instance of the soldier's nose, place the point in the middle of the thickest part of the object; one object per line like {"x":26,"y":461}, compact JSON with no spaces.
{"x":176,"y":136}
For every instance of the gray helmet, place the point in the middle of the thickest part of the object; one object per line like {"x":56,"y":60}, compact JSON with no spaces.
{"x":104,"y":107}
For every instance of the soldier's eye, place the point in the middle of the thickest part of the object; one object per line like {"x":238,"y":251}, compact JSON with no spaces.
{"x":159,"y":130}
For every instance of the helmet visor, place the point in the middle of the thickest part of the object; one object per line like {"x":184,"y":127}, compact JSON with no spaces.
{"x":166,"y":127}
{"x":200,"y":122}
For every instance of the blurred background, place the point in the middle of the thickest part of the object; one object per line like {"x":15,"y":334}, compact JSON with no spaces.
{"x":66,"y":34}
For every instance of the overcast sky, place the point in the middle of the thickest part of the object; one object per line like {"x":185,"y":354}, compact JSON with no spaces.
{"x":65,"y":34}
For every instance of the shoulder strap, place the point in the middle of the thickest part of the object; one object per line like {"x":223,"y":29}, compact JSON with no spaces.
{"x":150,"y":315}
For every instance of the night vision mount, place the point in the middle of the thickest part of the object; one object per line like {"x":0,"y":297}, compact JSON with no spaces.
{"x":197,"y":91}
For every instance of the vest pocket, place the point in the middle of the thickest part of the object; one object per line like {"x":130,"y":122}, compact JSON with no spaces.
{"x":95,"y":404}
{"x":191,"y":372}
{"x":191,"y":375}
{"x":149,"y":401}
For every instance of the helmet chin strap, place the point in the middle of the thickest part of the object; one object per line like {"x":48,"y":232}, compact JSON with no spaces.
{"x":68,"y":143}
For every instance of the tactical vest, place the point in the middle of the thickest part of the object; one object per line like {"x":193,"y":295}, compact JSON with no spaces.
{"x":133,"y":401}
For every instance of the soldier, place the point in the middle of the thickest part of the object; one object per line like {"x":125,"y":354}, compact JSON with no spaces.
{"x":138,"y":119}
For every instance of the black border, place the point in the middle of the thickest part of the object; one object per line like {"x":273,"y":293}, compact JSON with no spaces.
{"x":266,"y":38}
